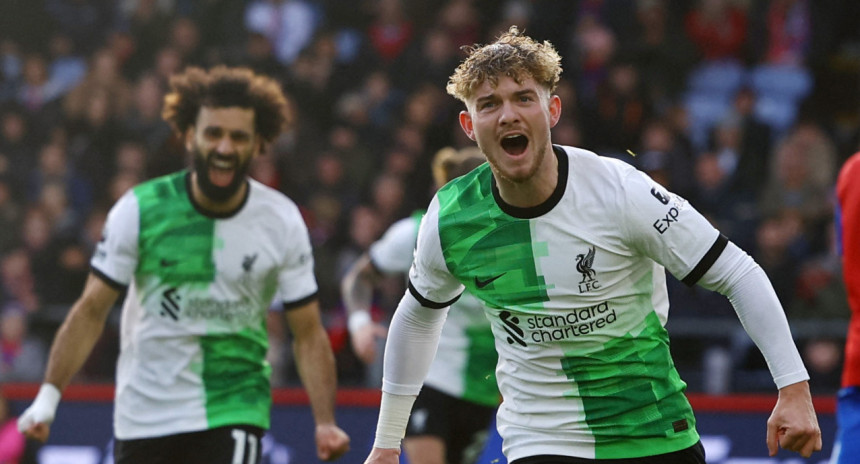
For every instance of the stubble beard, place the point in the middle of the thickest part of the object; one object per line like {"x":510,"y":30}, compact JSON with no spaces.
{"x":540,"y":153}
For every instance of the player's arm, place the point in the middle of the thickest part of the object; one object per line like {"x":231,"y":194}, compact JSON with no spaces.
{"x":316,"y":368}
{"x":72,"y":346}
{"x":670,"y":231}
{"x":357,"y":292}
{"x":409,"y":351}
{"x":793,"y":424}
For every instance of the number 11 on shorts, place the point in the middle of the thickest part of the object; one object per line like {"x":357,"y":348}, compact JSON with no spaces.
{"x":241,"y":436}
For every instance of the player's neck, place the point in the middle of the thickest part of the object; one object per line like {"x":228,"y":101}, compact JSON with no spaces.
{"x":533,"y":191}
{"x":215,"y":207}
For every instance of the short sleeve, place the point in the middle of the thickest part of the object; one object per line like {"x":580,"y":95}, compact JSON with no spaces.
{"x":430,"y":281}
{"x":667,"y":229}
{"x":296,"y":281}
{"x":393,"y":252}
{"x":116,"y":255}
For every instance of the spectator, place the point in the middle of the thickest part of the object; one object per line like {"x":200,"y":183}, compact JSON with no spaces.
{"x":787,"y":32}
{"x":85,"y":21}
{"x":391,"y":31}
{"x":660,"y":51}
{"x":754,"y":144}
{"x":289,"y":24}
{"x":779,"y":248}
{"x":146,"y":21}
{"x":675,"y":159}
{"x":731,"y":210}
{"x":460,"y":21}
{"x":718,"y":28}
{"x":55,"y":167}
{"x":620,"y":111}
{"x":429,"y":59}
{"x":10,"y":214}
{"x":16,"y":280}
{"x":23,"y":356}
{"x":792,"y":185}
{"x":10,"y":68}
{"x":184,"y":36}
{"x":38,"y":94}
{"x":103,"y":77}
{"x":143,"y":120}
{"x":66,"y":67}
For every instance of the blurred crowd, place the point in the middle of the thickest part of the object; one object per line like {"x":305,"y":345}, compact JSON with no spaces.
{"x":746,"y":108}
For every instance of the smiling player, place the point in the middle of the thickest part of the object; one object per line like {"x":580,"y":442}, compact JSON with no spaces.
{"x":201,"y":255}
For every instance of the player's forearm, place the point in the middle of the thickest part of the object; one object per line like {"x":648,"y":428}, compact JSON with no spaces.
{"x":394,"y":413}
{"x":410,"y":350}
{"x":411,"y":346}
{"x":73,"y":343}
{"x":762,"y":317}
{"x":746,"y":285}
{"x":357,"y":286}
{"x":316,"y":367}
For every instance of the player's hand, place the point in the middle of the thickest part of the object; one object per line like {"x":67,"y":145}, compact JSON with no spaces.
{"x":332,"y":442}
{"x":793,"y":424}
{"x":35,"y":421}
{"x":364,"y":341}
{"x":383,"y":456}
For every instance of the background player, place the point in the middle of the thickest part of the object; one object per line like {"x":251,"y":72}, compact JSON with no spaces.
{"x":847,"y":448}
{"x":192,"y":380}
{"x":450,"y":418}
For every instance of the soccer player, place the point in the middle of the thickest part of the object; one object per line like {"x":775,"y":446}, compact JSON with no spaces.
{"x":201,"y":254}
{"x":847,"y":447}
{"x":451,"y":416}
{"x":567,"y":251}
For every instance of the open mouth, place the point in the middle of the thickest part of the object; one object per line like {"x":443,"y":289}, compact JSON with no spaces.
{"x":222,"y":170}
{"x":515,"y":144}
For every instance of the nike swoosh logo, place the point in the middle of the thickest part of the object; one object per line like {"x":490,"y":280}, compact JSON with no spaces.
{"x":483,"y":283}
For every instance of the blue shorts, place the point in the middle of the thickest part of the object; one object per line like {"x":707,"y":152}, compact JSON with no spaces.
{"x":847,"y":446}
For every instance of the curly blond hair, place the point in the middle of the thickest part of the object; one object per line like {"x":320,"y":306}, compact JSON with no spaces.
{"x":512,"y":54}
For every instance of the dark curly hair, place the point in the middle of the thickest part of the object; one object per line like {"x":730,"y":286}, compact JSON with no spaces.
{"x":223,"y":87}
{"x":512,"y":54}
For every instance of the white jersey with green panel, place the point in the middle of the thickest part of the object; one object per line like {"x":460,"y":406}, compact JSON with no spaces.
{"x":465,"y":362}
{"x":576,"y":294}
{"x":193,"y":332}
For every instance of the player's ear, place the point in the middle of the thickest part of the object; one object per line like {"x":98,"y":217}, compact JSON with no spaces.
{"x":466,"y":124}
{"x":189,"y":138}
{"x":554,"y":110}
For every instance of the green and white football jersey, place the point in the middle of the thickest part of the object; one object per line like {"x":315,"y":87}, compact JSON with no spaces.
{"x":465,"y":362}
{"x":193,"y":332}
{"x":575,"y":291}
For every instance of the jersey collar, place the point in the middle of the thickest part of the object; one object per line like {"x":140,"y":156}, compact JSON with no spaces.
{"x":211,"y":214}
{"x":545,"y":207}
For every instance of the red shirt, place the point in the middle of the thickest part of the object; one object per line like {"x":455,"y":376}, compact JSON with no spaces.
{"x":848,"y":225}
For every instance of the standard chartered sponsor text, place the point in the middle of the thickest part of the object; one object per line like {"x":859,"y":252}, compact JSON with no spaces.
{"x":553,"y":327}
{"x":228,"y":311}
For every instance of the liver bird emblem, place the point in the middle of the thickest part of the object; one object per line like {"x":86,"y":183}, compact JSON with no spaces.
{"x":583,"y":265}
